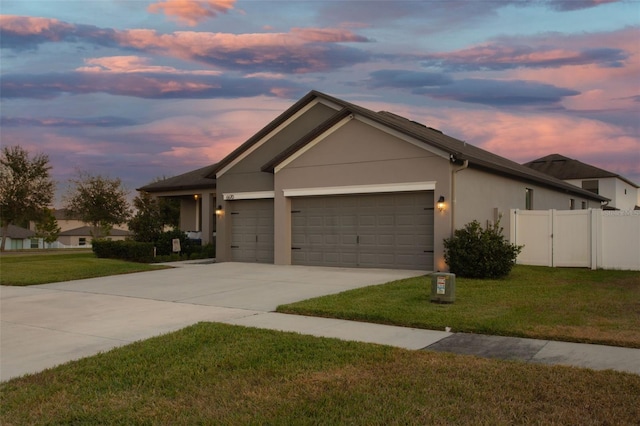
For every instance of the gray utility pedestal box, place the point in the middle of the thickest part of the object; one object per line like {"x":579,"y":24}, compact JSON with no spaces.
{"x":443,"y":287}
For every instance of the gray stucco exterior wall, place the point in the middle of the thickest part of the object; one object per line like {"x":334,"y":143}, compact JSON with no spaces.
{"x":247,"y":175}
{"x":482,"y":196}
{"x":360,"y":155}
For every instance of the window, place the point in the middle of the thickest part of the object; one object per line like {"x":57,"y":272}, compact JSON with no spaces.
{"x":572,"y":204}
{"x":591,"y":185}
{"x":528,"y":203}
{"x":584,"y":205}
{"x":34,"y":243}
{"x":82,"y":241}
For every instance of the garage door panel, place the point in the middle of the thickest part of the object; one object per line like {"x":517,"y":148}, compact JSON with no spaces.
{"x":375,"y":230}
{"x":252,"y":235}
{"x":349,"y":240}
{"x":331,"y":239}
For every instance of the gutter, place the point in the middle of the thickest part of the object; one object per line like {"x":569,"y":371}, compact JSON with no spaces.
{"x":465,"y":164}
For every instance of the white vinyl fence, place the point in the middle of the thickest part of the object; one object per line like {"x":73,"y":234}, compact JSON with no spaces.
{"x":577,"y":238}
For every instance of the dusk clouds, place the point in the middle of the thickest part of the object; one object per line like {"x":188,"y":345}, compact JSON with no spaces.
{"x":191,"y":12}
{"x":300,"y":50}
{"x":158,"y":87}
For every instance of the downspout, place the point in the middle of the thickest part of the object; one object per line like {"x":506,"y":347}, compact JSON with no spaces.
{"x":465,"y":164}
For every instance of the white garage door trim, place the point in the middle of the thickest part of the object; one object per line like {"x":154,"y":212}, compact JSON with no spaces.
{"x":361,"y":189}
{"x":378,"y":230}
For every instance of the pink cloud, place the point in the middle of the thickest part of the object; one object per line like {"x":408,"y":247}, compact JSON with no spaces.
{"x":523,"y":137}
{"x":326,"y":35}
{"x":301,"y":50}
{"x":134,"y":64}
{"x":551,"y":50}
{"x":192,"y":43}
{"x":27,"y":25}
{"x":600,"y":87}
{"x":526,"y":137}
{"x":191,"y":12}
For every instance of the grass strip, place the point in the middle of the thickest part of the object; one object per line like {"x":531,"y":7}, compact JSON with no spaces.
{"x":576,"y":305}
{"x":220,"y":374}
{"x":23,"y":270}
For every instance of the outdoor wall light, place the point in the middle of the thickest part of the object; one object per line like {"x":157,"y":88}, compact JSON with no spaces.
{"x":195,"y":197}
{"x":219,"y":210}
{"x":441,"y":203}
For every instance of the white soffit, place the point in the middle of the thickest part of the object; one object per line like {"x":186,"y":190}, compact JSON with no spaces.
{"x":275,"y":131}
{"x":361,"y":189}
{"x":256,"y":195}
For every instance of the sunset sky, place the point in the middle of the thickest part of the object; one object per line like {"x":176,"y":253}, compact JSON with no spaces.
{"x":141,"y":89}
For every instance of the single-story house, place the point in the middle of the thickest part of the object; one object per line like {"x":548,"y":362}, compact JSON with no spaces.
{"x":81,"y":237}
{"x":19,"y":238}
{"x":331,"y":183}
{"x":623,"y":193}
{"x":76,"y":233}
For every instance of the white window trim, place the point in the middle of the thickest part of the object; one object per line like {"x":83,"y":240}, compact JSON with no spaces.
{"x":360,"y":189}
{"x":256,"y":195}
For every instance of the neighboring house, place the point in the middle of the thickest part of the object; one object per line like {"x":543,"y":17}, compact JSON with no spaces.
{"x":66,"y":220}
{"x":331,"y":183}
{"x":76,"y":233}
{"x":81,"y":237}
{"x":19,"y":238}
{"x":624,"y":194}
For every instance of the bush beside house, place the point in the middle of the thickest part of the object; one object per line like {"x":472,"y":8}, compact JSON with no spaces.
{"x":474,"y":252}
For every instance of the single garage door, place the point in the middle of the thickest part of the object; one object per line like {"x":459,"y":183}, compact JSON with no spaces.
{"x":252,"y":230}
{"x":392,"y":231}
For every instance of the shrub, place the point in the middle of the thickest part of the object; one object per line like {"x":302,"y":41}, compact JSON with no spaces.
{"x":125,"y":250}
{"x":474,"y":252}
{"x":164,"y":243}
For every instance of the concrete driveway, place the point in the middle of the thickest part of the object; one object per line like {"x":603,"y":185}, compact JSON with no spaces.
{"x":45,"y":325}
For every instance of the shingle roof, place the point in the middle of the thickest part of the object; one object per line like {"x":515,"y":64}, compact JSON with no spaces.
{"x":563,"y":167}
{"x":86,"y":231}
{"x":18,"y":232}
{"x":458,"y":150}
{"x":195,"y":179}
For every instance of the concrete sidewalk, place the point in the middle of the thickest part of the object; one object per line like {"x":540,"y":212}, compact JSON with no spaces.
{"x":596,"y":357}
{"x":46,"y":325}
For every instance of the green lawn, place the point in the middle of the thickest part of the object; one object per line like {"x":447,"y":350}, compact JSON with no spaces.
{"x":549,"y":303}
{"x":221,"y":374}
{"x":30,"y":269}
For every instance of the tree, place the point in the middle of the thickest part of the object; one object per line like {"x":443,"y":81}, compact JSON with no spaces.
{"x":147,"y":223}
{"x":26,"y":188}
{"x":99,"y":201}
{"x":47,"y":227}
{"x":169,"y":211}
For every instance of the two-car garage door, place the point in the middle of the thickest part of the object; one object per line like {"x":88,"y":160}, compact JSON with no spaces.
{"x":391,"y":230}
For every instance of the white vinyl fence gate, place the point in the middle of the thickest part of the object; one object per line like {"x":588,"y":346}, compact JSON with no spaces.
{"x":593,"y":238}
